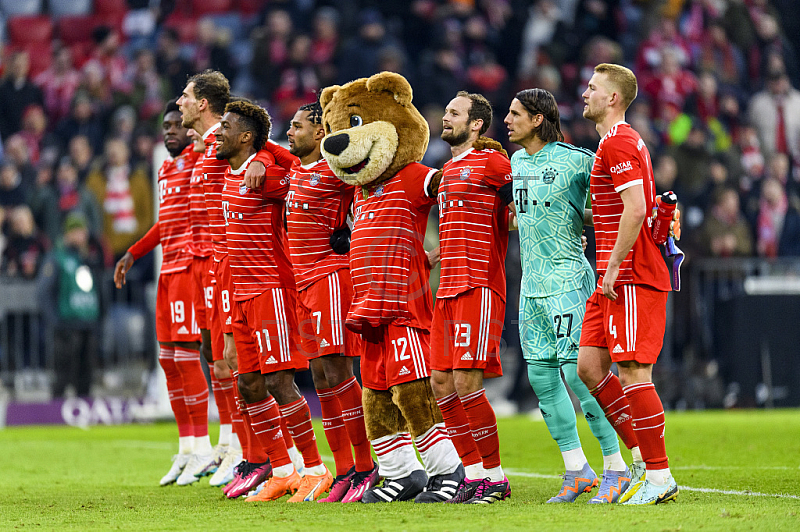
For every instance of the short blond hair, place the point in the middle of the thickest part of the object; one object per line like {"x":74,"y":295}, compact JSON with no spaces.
{"x":622,"y":79}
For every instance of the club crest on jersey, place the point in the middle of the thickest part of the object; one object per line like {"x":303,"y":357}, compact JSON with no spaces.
{"x":314,"y":179}
{"x":242,"y":190}
{"x":379,"y":191}
{"x":465,"y":173}
{"x":549,"y":176}
{"x":180,"y":163}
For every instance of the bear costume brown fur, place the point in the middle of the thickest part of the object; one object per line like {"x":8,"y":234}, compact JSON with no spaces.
{"x":375,"y":136}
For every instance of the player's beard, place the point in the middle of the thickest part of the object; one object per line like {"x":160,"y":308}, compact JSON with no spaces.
{"x":595,"y":116}
{"x":301,"y":150}
{"x":455,"y":139}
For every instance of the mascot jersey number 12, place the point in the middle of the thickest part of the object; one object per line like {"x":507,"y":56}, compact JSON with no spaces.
{"x":375,"y":136}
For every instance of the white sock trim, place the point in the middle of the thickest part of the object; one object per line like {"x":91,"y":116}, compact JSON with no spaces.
{"x":574,"y":459}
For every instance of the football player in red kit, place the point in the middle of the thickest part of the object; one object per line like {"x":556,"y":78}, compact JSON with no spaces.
{"x":176,"y":327}
{"x":264,"y":298}
{"x":316,"y":214}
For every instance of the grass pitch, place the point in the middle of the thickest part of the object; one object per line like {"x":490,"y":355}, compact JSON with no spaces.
{"x":736,"y":471}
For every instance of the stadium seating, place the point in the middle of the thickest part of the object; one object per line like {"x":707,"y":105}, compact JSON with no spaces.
{"x":75,"y":29}
{"x":65,"y":8}
{"x":207,"y":7}
{"x":12,"y":8}
{"x":111,"y":7}
{"x":30,"y":29}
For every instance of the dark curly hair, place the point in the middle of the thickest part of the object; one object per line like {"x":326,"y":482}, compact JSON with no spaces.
{"x":314,"y":112}
{"x":252,"y":118}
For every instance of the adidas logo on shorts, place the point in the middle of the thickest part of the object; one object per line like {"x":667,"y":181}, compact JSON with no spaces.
{"x":183,"y":330}
{"x":467,"y":356}
{"x":228,"y":321}
{"x":404,"y":371}
{"x":324,"y":343}
{"x":618,"y":349}
{"x":271,"y":360}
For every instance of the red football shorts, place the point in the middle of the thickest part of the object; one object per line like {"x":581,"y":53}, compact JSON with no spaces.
{"x":631,"y":328}
{"x":223,"y":293}
{"x":466,"y":332}
{"x":175,"y":314}
{"x":401,"y":355}
{"x":203,"y":291}
{"x":266,"y":334}
{"x":321,"y":311}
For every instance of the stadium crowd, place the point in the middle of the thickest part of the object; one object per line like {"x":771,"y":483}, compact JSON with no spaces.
{"x":82,"y":92}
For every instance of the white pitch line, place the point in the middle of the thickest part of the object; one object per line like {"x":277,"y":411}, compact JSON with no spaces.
{"x":515,"y":473}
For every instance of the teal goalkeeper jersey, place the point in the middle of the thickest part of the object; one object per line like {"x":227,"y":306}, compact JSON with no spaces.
{"x":550,"y":190}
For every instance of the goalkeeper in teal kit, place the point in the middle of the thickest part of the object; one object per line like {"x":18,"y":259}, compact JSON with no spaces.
{"x":551,"y":183}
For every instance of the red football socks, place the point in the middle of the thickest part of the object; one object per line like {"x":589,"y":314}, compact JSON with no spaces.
{"x":335,"y":431}
{"x":195,"y":389}
{"x":648,"y":423}
{"x":166,"y":357}
{"x":221,"y":388}
{"x":349,"y":395}
{"x":483,"y":424}
{"x":455,"y":419}
{"x":298,"y":420}
{"x":611,"y":398}
{"x":266,"y":423}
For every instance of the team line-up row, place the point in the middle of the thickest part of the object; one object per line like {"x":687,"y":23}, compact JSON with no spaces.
{"x":279,"y":260}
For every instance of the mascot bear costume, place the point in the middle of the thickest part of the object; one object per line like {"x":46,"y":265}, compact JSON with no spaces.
{"x":374,"y":138}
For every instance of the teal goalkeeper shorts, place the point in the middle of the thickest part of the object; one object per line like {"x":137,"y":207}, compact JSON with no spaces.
{"x":550,"y":327}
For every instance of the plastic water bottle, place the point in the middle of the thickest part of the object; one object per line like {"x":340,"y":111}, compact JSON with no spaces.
{"x":661,"y":225}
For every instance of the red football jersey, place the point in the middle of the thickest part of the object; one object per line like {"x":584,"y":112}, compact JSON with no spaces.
{"x":213,"y":183}
{"x":623,"y":161}
{"x":174,"y":179}
{"x":387,"y":261}
{"x":473,"y":223}
{"x":257,"y":247}
{"x":200,"y":244}
{"x":318,"y":203}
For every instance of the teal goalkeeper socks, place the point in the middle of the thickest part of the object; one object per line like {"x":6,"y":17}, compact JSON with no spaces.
{"x":554,"y":403}
{"x":592,"y":411}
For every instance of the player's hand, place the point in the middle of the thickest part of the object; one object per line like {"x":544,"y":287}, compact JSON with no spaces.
{"x":434,"y":257}
{"x":608,"y":282}
{"x":513,"y":225}
{"x":255,"y":175}
{"x":675,"y":224}
{"x":584,"y":241}
{"x":123,"y":267}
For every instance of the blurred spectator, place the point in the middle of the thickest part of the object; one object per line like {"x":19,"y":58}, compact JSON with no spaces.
{"x":83,"y":121}
{"x":13,"y":191}
{"x":18,"y":154}
{"x":34,"y":126}
{"x":270,"y":52}
{"x":142,"y":149}
{"x":170,"y":63}
{"x":81,"y":156}
{"x":124,"y":195}
{"x":325,"y":44}
{"x":108,"y":60}
{"x":211,"y":50}
{"x":25,"y":247}
{"x":672,"y":84}
{"x":776,"y":114}
{"x":44,"y":203}
{"x":438,"y":151}
{"x":359,"y":57}
{"x":298,"y":80}
{"x":149,"y":91}
{"x":717,"y":54}
{"x":69,"y":295}
{"x":17,"y":92}
{"x":663,"y":36}
{"x":725,"y":233}
{"x":693,"y":159}
{"x":539,"y":30}
{"x":72,"y":197}
{"x":59,"y":83}
{"x":777,"y":223}
{"x":770,"y":42}
{"x":122,"y":124}
{"x":441,"y":74}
